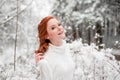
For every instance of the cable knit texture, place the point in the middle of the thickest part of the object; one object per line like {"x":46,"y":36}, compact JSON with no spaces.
{"x":57,"y":63}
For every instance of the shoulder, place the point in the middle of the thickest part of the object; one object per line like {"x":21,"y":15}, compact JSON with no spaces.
{"x":42,"y":63}
{"x":67,"y":47}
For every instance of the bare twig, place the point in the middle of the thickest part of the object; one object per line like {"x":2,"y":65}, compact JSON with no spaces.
{"x":114,"y":67}
{"x":2,"y":3}
{"x":16,"y":14}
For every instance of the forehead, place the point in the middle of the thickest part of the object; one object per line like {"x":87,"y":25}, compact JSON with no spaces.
{"x":52,"y":22}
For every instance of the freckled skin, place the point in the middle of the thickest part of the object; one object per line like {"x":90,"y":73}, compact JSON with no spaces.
{"x":55,"y":32}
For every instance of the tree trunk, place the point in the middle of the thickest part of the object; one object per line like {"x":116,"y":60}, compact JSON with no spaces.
{"x":16,"y":39}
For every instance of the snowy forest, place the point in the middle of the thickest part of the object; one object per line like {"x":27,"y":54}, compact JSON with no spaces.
{"x":92,"y":30}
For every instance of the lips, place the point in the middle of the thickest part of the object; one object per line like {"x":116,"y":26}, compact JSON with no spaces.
{"x":60,"y":33}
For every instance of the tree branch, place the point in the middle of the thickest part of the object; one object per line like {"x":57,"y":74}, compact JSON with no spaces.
{"x":16,"y":14}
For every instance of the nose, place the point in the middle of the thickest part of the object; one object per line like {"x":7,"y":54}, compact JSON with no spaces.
{"x":60,"y":28}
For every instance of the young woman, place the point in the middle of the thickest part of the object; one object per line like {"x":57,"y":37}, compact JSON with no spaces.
{"x":56,"y":63}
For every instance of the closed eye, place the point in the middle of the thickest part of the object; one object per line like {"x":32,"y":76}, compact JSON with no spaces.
{"x":53,"y":28}
{"x":59,"y":24}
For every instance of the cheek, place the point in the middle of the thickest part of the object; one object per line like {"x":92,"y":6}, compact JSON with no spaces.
{"x":52,"y":34}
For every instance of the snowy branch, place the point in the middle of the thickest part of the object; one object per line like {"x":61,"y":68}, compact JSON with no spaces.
{"x":16,"y":14}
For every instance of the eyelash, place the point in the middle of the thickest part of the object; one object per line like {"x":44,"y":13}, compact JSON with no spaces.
{"x":55,"y":27}
{"x":59,"y":24}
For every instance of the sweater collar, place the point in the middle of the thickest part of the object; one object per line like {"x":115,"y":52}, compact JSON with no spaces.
{"x":58,"y":49}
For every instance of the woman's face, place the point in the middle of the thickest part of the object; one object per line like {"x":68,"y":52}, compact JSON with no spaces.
{"x":55,"y":31}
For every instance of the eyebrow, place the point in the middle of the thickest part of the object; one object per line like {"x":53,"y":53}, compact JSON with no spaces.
{"x":54,"y":24}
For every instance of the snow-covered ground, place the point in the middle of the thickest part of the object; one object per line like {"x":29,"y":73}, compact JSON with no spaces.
{"x":91,"y":64}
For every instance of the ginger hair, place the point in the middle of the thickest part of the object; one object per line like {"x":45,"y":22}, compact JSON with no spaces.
{"x":42,"y":33}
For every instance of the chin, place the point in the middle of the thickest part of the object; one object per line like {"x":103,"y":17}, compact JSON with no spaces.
{"x":63,"y":37}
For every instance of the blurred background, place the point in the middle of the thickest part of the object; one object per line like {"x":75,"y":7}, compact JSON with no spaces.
{"x":93,"y":21}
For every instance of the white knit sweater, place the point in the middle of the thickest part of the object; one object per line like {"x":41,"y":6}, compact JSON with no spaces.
{"x":57,"y":64}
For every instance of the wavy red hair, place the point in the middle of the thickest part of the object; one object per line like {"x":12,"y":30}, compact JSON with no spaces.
{"x":42,"y":34}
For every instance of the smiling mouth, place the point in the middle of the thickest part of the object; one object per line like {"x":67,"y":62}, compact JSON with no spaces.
{"x":60,"y":33}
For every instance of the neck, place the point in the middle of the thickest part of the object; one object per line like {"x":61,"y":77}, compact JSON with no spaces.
{"x":57,"y":43}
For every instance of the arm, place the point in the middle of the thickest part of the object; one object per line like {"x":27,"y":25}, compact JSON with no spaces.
{"x":45,"y":70}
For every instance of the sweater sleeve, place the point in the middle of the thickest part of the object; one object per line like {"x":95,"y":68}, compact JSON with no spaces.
{"x":45,"y":70}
